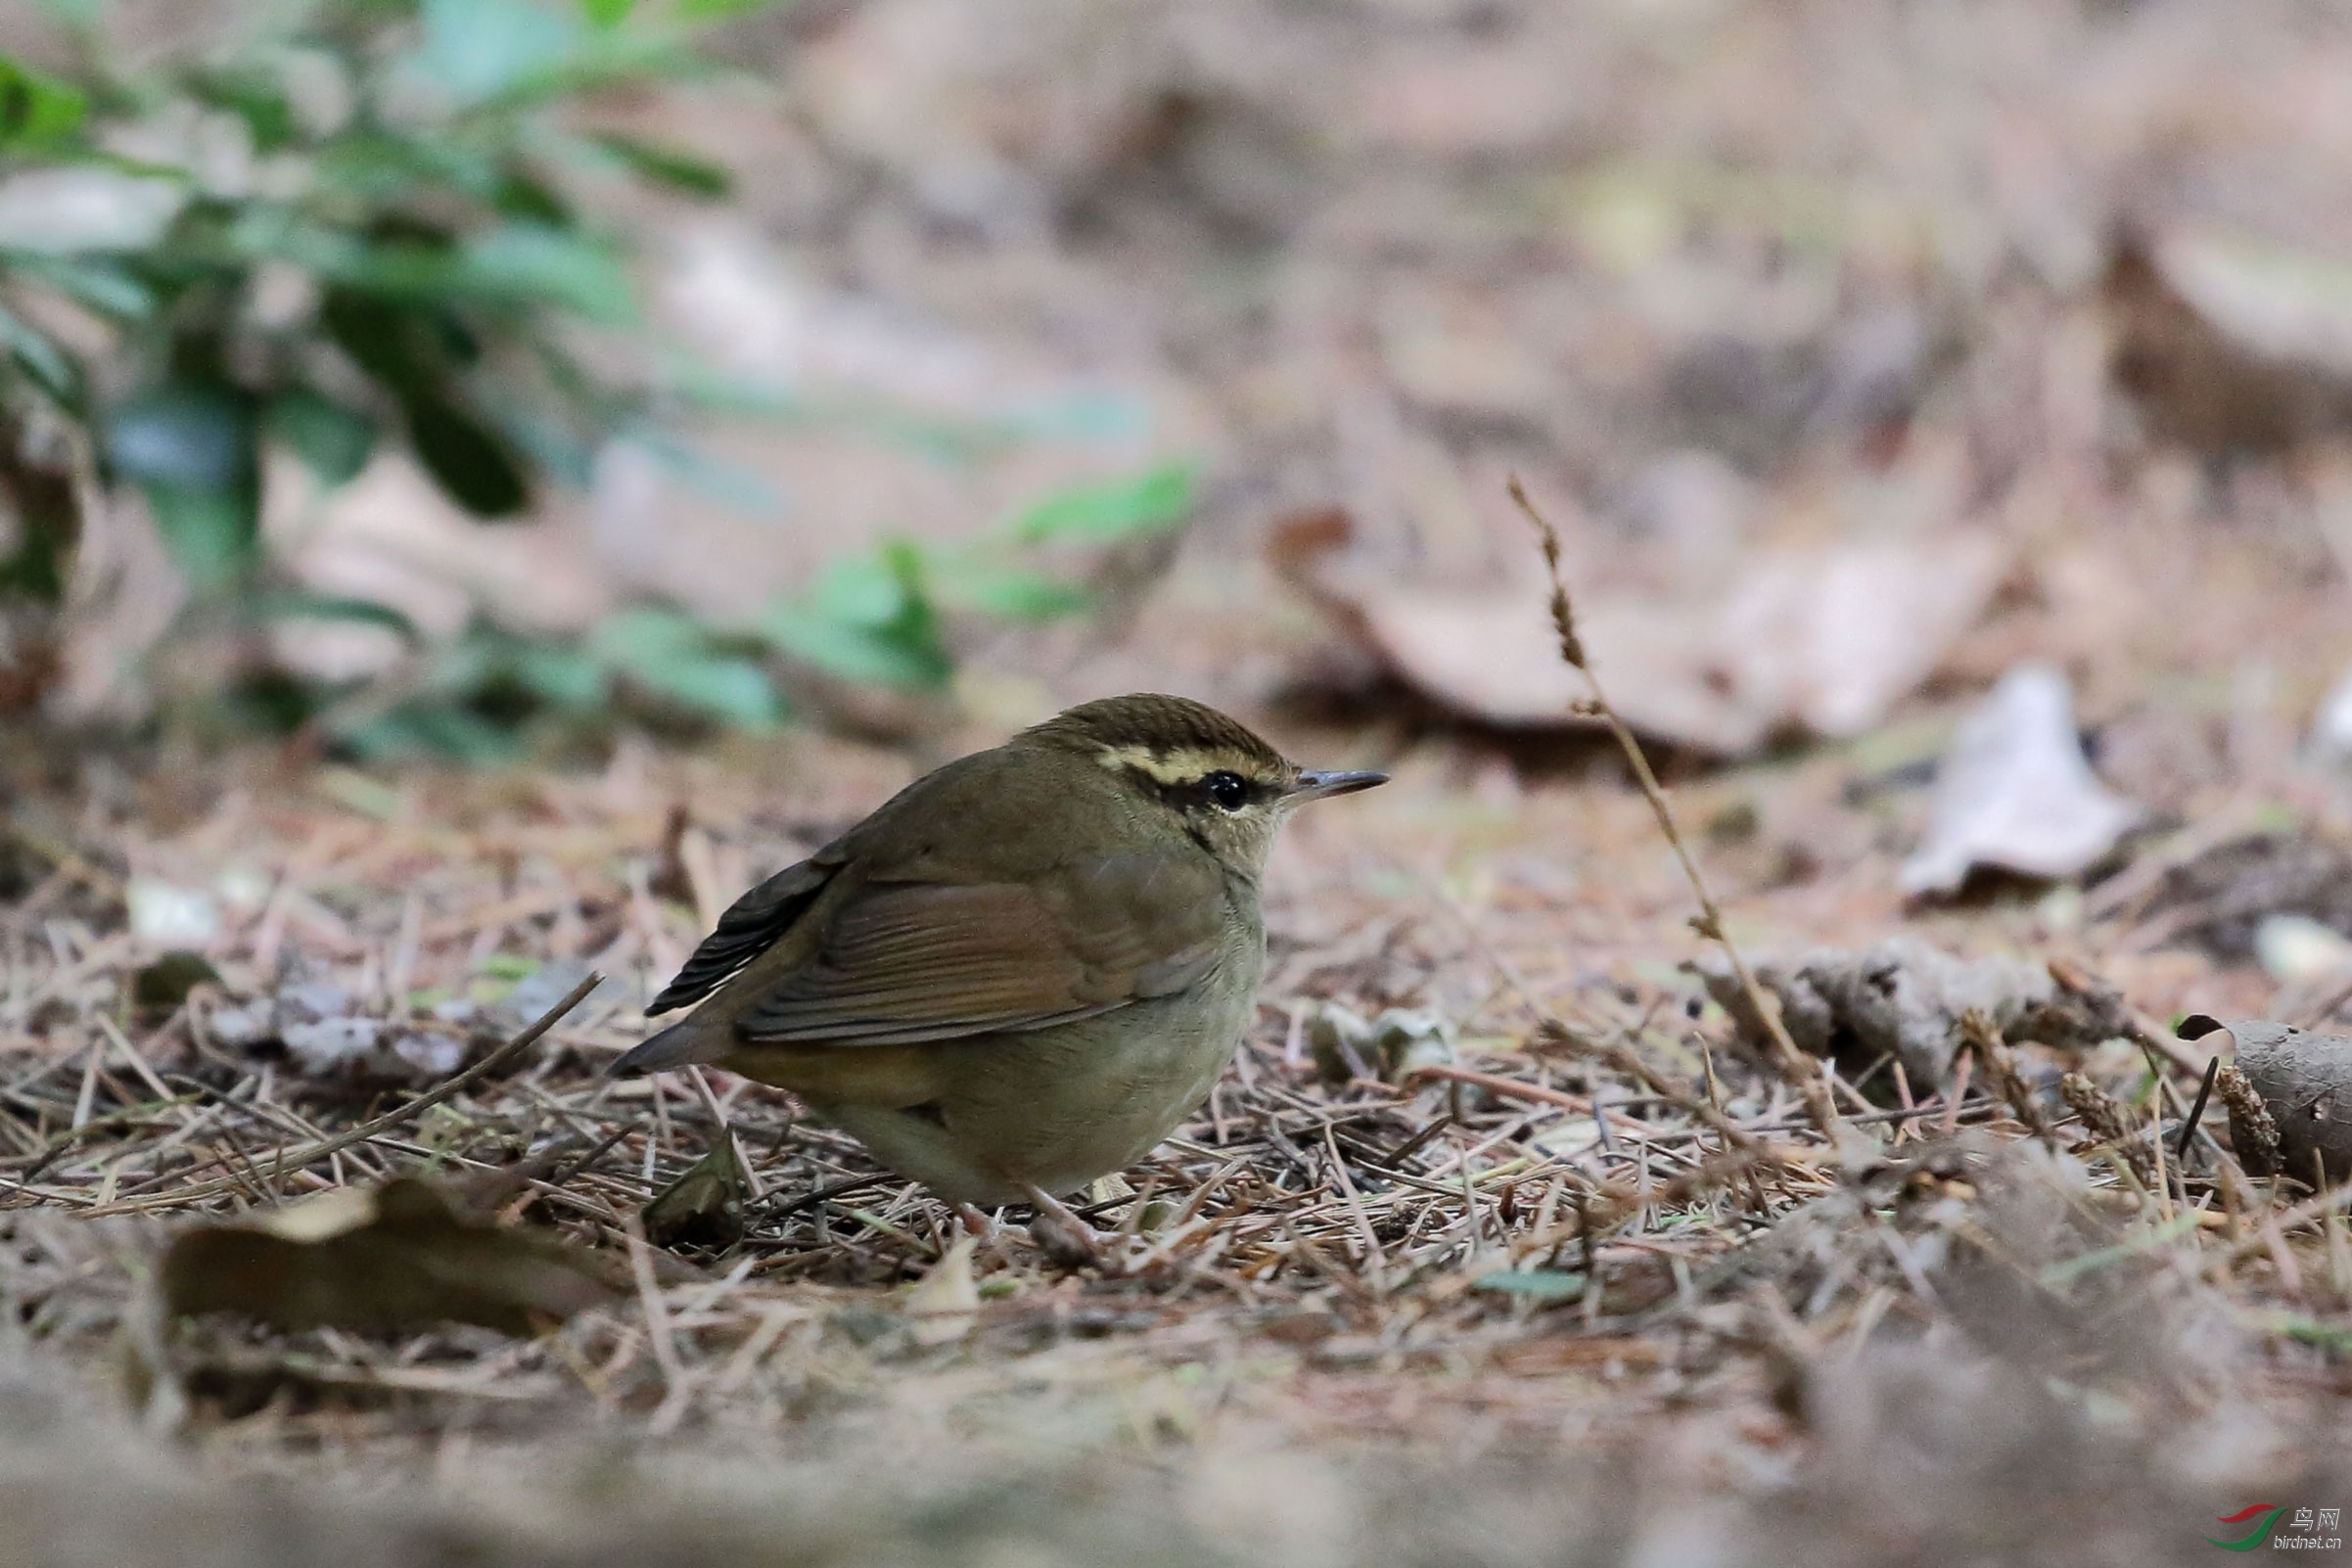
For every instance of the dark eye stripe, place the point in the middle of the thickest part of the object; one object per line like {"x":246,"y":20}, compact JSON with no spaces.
{"x":1193,"y":794}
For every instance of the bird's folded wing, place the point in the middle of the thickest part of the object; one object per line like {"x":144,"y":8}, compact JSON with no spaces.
{"x":905,"y":962}
{"x":752,"y":925}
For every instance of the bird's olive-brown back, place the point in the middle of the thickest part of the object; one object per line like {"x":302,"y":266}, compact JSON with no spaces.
{"x":1007,"y":891}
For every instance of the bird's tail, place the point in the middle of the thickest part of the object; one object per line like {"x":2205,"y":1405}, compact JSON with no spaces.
{"x":684,"y":1042}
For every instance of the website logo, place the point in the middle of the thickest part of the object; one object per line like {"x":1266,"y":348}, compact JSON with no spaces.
{"x":2264,"y":1515}
{"x":2309,"y":1530}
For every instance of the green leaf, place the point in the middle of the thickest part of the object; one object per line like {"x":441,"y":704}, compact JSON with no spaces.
{"x":736,"y":691}
{"x":1011,"y":594}
{"x":718,"y":10}
{"x":100,"y":285}
{"x":500,"y":56}
{"x":560,"y":677}
{"x":876,"y":656}
{"x":532,"y":261}
{"x":550,"y":449}
{"x":728,"y":483}
{"x":2310,"y":1332}
{"x":477,"y":49}
{"x":671,"y":656}
{"x":635,"y":640}
{"x":31,"y":352}
{"x":473,"y":464}
{"x":430,"y":729}
{"x":512,"y":967}
{"x":380,"y":166}
{"x":78,"y":13}
{"x":667,"y":167}
{"x":294,"y":605}
{"x":36,"y":109}
{"x":46,"y":524}
{"x":1102,"y":514}
{"x":382,"y":339}
{"x":606,"y":12}
{"x":862,"y":591}
{"x":212,"y":535}
{"x":1536,"y":1285}
{"x":253,"y":95}
{"x":523,"y":196}
{"x":868,"y":619}
{"x":335,"y":442}
{"x":381,"y":285}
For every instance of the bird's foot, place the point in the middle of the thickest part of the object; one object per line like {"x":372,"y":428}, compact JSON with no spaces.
{"x":1065,"y":1238}
{"x":994,"y":1240}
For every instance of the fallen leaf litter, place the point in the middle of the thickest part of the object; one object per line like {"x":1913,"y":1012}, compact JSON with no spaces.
{"x":1372,"y":1196}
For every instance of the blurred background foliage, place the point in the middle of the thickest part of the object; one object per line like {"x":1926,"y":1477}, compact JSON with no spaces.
{"x":369,"y":222}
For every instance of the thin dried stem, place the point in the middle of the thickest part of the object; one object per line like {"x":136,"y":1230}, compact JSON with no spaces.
{"x":294,"y":1157}
{"x":1801,"y":1069}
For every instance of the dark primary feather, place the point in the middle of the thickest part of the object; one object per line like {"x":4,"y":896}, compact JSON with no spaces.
{"x":752,"y":925}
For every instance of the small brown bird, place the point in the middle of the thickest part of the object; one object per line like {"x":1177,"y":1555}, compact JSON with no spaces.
{"x":1025,"y":969}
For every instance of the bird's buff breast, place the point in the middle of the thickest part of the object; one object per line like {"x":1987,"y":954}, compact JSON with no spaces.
{"x":976,"y":1120}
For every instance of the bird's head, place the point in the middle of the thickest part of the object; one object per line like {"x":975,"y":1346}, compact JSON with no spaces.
{"x":1227,"y":789}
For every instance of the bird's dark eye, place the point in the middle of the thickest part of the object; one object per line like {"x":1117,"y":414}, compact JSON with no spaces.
{"x":1226,"y":791}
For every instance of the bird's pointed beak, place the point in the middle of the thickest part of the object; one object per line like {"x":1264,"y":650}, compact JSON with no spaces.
{"x":1315,"y":786}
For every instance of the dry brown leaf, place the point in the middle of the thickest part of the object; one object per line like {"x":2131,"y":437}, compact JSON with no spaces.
{"x":704,"y":1206}
{"x":2230,"y":344}
{"x":2016,"y":793}
{"x":1819,"y":641}
{"x":942,"y":1305}
{"x":396,"y":1257}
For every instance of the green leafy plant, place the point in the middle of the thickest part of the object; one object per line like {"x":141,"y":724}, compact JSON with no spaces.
{"x":355,"y":227}
{"x":359,"y":225}
{"x":878,"y":619}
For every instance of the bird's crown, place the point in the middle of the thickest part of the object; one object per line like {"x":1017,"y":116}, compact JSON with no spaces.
{"x":1171,"y":743}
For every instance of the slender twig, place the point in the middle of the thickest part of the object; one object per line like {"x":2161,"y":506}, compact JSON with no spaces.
{"x":2327,"y":1201}
{"x":294,"y":1156}
{"x":2196,"y":1112}
{"x":1801,"y":1070}
{"x":1375,"y":1262}
{"x":825,"y":1194}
